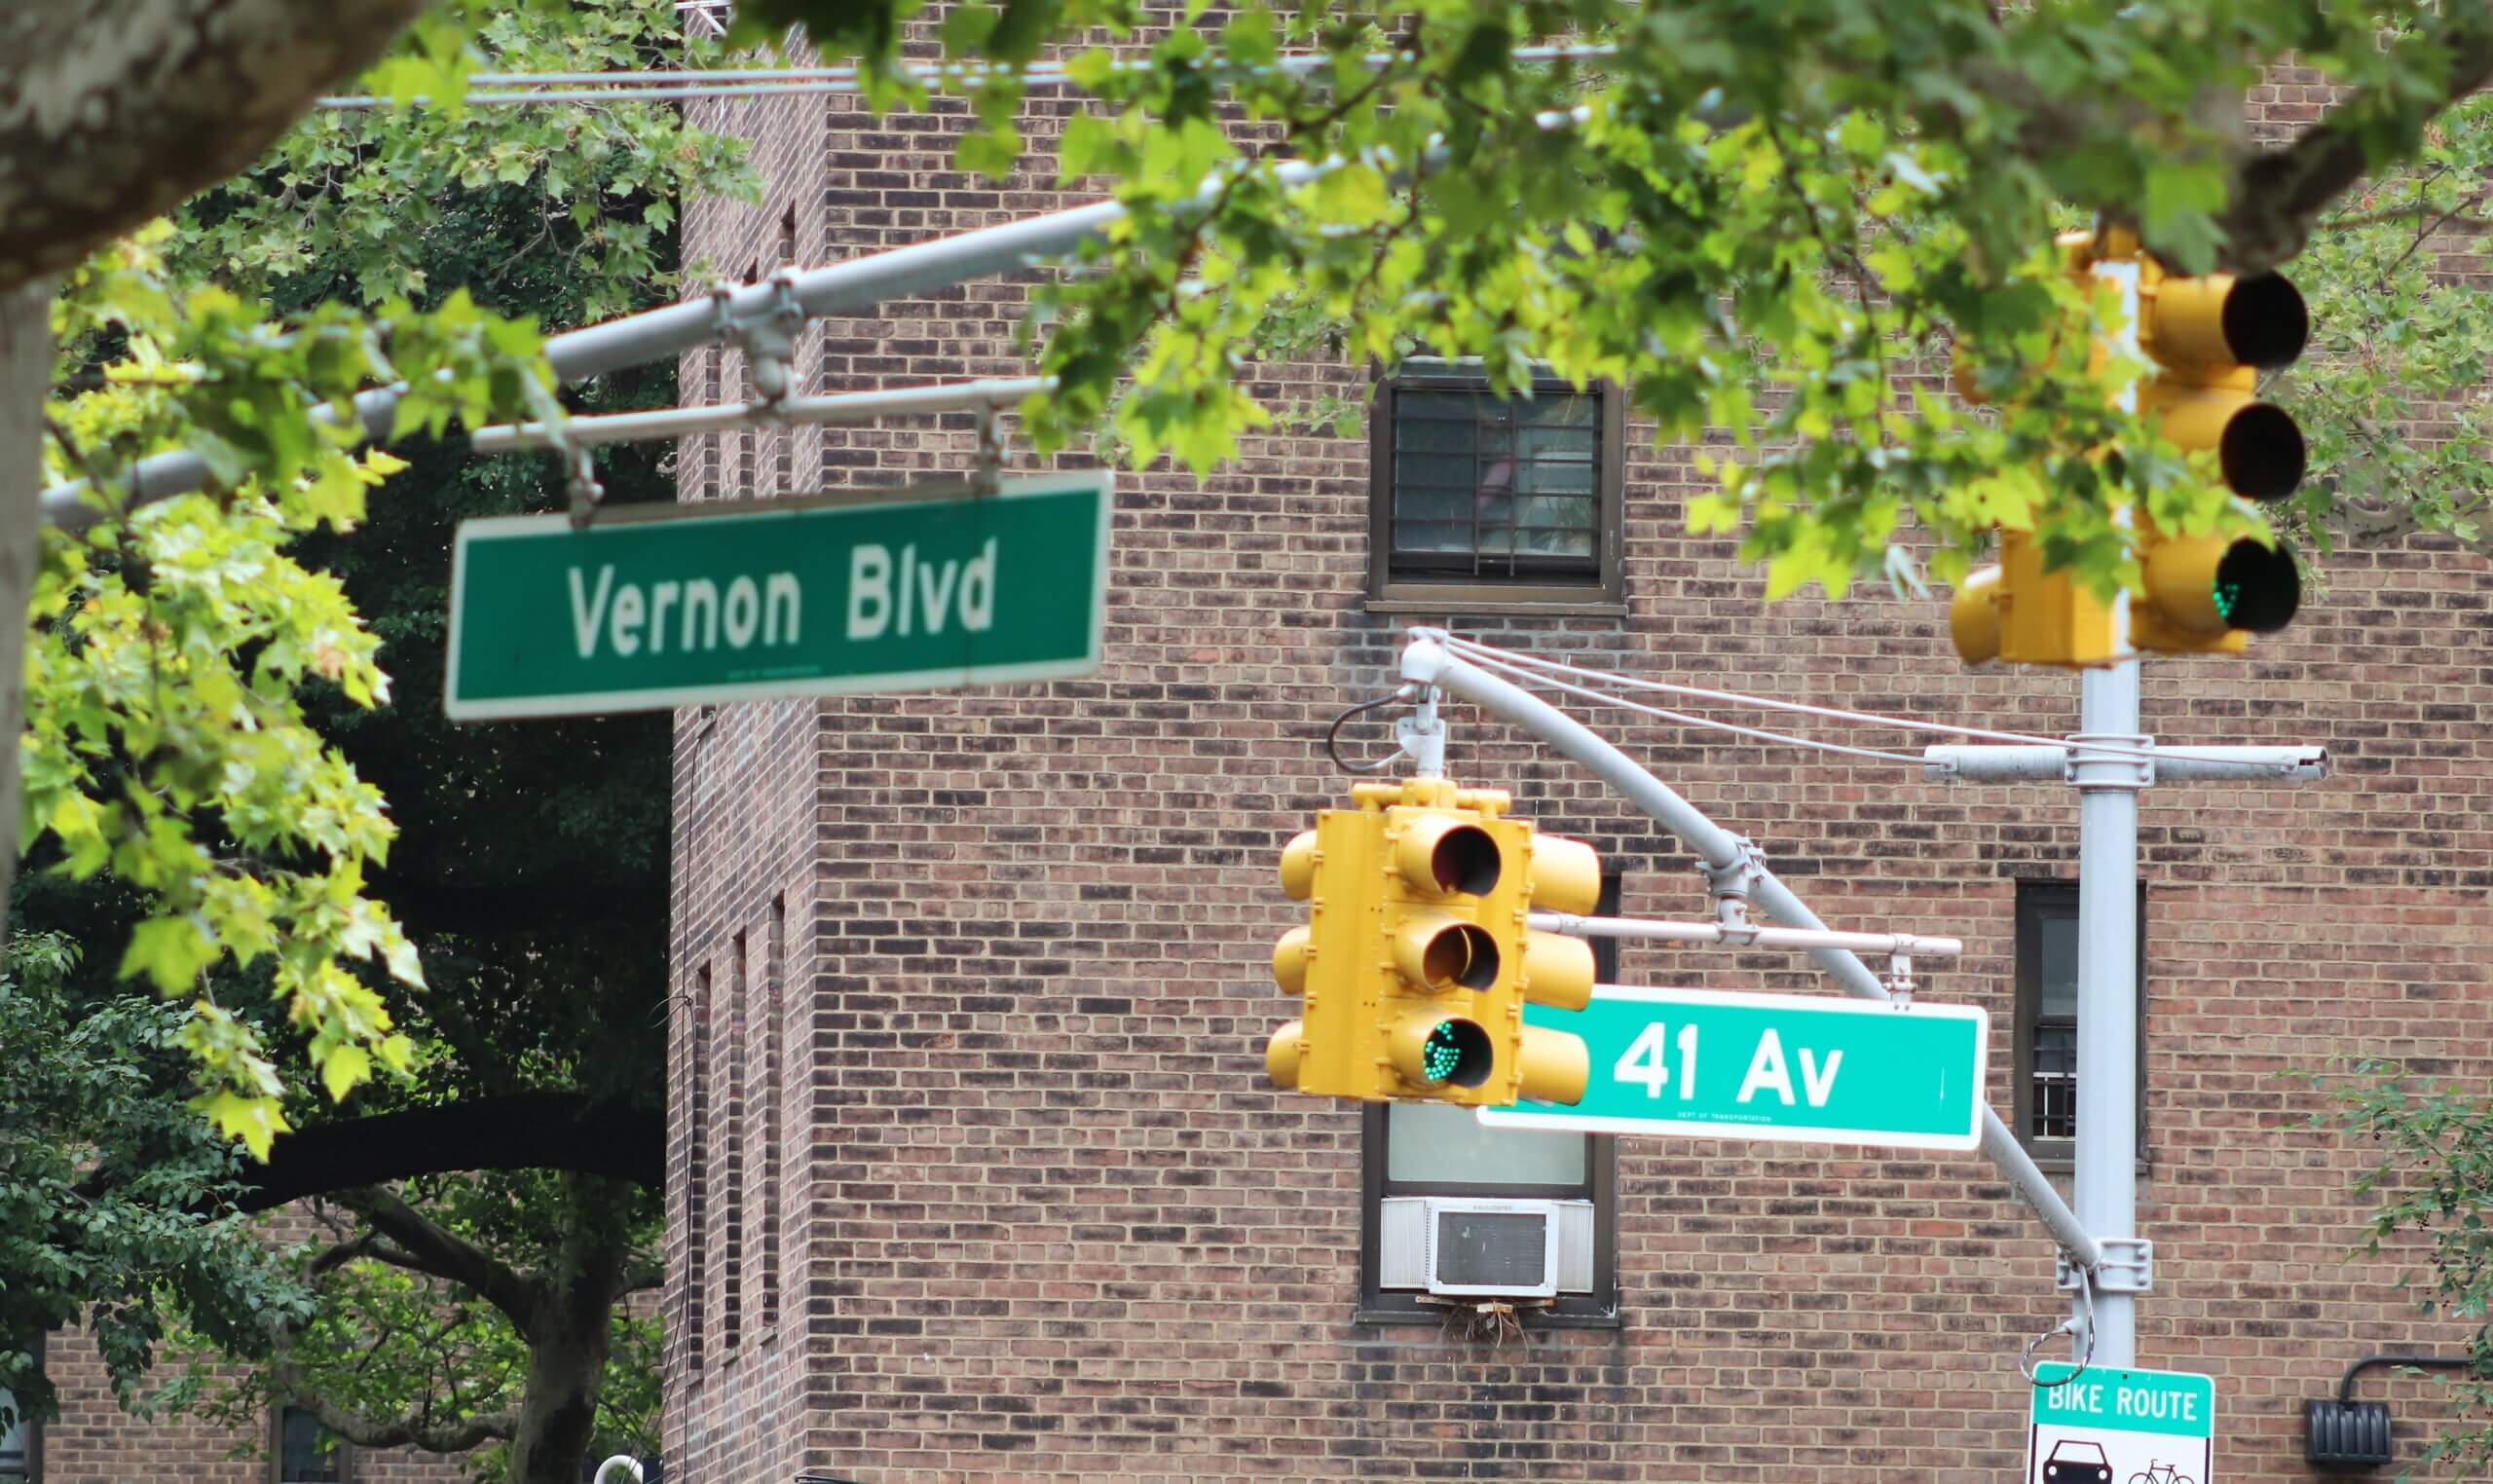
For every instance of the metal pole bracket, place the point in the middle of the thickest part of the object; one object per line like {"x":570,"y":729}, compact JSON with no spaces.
{"x":1899,"y":978}
{"x":1731,"y":884}
{"x":987,"y":477}
{"x":1422,"y":735}
{"x":767,"y":336}
{"x":2108,"y":770}
{"x":2127,"y":1267}
{"x":580,"y":466}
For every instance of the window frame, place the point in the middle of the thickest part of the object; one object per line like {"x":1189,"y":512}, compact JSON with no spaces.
{"x":1389,"y":593}
{"x":1596,"y":1309}
{"x":34,"y":1449}
{"x":2038,"y":900}
{"x":345,"y":1454}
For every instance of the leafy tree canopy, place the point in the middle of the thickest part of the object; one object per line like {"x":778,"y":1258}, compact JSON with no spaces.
{"x":1772,"y":225}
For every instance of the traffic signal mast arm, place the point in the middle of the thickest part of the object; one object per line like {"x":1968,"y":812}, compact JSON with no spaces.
{"x":1733,"y":864}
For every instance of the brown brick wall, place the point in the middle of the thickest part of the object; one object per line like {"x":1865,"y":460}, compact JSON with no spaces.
{"x":1043,"y":1217}
{"x":94,"y":1442}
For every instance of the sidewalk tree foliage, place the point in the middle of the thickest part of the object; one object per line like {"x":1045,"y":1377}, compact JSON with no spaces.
{"x":2433,"y":1178}
{"x":210,"y":746}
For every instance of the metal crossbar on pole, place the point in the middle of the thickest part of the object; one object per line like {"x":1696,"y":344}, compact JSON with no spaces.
{"x":687,"y":422}
{"x":1894,"y":944}
{"x":746,"y":82}
{"x":1427,"y":661}
{"x":1957,"y":764}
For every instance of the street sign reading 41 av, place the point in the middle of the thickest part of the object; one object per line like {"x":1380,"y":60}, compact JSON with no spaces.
{"x":1774,"y":1066}
{"x":681,"y":605}
{"x":2102,"y":1426}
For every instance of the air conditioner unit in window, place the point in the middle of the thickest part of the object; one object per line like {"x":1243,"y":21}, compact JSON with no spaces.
{"x":1467,"y":1246}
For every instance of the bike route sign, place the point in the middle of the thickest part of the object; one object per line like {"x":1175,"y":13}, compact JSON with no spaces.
{"x":2117,"y":1427}
{"x":682,"y":604}
{"x":1718,"y":1064}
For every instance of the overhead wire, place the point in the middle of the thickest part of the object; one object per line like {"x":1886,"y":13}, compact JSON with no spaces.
{"x":1487,"y":660}
{"x":1529,"y":665}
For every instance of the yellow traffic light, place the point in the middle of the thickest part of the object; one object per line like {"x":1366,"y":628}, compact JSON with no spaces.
{"x":1417,"y":960}
{"x":2208,"y":338}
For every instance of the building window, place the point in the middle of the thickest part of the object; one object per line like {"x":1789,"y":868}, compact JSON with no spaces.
{"x":1421,"y":1149}
{"x":304,"y":1451}
{"x":1478,"y":503}
{"x":2046,"y":1037}
{"x":20,"y":1446}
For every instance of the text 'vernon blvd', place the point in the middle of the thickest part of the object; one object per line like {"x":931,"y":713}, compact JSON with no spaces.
{"x":773,"y":599}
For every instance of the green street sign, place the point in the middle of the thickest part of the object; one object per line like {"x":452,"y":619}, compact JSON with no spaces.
{"x":1770,"y":1066}
{"x":2107,"y":1425}
{"x":684,"y":605}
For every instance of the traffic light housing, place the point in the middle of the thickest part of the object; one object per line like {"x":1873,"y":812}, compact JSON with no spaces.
{"x":2207,"y":340}
{"x":1417,"y":958}
{"x":2210,"y":338}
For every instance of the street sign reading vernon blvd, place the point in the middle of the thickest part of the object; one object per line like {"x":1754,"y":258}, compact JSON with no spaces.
{"x":694,"y":604}
{"x":1771,"y":1067}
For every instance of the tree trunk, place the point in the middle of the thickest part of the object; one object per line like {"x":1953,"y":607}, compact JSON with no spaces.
{"x":566,"y":1375}
{"x":113,"y":112}
{"x":25,"y":381}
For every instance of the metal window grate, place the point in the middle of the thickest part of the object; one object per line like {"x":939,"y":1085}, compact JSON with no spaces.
{"x":2055,"y":1102}
{"x":1496,"y":489}
{"x":1491,"y":1249}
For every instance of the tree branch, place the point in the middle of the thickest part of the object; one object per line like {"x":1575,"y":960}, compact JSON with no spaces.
{"x":406,"y":1432}
{"x":2279,"y":194}
{"x":437,"y":1251}
{"x":527,"y":1131}
{"x":114,"y":111}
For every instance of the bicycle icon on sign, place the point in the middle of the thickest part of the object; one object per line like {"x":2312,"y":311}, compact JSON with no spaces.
{"x":2161,"y":1473}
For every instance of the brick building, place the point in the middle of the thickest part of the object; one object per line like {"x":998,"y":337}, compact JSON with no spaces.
{"x":974,"y":1172}
{"x":94,"y":1441}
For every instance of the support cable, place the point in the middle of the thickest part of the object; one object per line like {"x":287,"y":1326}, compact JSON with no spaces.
{"x":1493,"y":659}
{"x":1523,"y":665}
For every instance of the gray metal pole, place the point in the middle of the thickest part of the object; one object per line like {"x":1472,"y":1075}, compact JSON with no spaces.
{"x":2108,"y":1025}
{"x":1426,"y":662}
{"x":686,"y":422}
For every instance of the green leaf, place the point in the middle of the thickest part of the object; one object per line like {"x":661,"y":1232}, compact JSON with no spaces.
{"x":171,"y":951}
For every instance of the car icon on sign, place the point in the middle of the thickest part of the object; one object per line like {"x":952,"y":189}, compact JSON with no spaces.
{"x":2075,"y":1461}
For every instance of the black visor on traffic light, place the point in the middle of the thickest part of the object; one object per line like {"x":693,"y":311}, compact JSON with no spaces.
{"x":2265,"y":322}
{"x":2261,"y":452}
